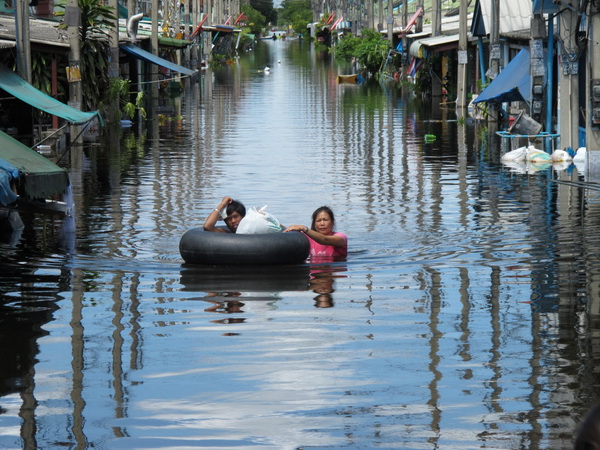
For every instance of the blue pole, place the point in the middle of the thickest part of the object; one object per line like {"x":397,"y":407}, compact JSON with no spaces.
{"x":481,"y":63}
{"x":550,"y":74}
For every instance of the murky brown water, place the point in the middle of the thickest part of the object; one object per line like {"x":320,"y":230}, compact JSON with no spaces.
{"x":463,"y":317}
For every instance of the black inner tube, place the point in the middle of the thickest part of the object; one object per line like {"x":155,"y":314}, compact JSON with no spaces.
{"x":202,"y":247}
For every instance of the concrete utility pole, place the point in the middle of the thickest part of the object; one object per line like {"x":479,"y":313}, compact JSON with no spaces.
{"x":154,"y":47}
{"x":463,"y":58}
{"x":436,"y":18}
{"x":113,"y":35}
{"x":537,"y":67}
{"x":370,"y":14}
{"x":23,"y":44}
{"x":494,"y":59}
{"x":404,"y":37}
{"x":390,"y":21}
{"x":593,"y":93}
{"x":569,"y":79}
{"x":419,"y":26}
{"x":73,"y":20}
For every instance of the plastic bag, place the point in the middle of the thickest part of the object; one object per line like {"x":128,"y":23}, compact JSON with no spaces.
{"x":258,"y":221}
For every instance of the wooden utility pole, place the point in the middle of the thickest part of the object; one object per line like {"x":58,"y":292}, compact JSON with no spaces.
{"x":463,"y":58}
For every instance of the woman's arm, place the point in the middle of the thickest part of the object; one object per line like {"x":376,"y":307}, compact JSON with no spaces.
{"x":215,"y":215}
{"x":333,"y":240}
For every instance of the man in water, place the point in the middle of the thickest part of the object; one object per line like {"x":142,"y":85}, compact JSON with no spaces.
{"x":231,"y":210}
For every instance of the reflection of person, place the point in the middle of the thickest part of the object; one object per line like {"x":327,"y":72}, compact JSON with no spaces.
{"x":323,"y":240}
{"x":588,"y":436}
{"x":235,"y":213}
{"x":322,"y":285}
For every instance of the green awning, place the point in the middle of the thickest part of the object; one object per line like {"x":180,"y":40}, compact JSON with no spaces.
{"x":18,"y":87}
{"x":173,"y":42}
{"x":40,"y":178}
{"x":152,"y":58}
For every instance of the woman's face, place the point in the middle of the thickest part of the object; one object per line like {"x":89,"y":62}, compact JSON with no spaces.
{"x":323,"y":223}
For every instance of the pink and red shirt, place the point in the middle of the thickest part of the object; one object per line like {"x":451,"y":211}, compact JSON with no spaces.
{"x":317,"y":249}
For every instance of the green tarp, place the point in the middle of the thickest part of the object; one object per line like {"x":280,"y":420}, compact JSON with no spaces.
{"x":40,"y":178}
{"x":18,"y":87}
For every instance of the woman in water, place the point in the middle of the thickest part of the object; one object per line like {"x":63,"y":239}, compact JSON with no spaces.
{"x":323,"y":240}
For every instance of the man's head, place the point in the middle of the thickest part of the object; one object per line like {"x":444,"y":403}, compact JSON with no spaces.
{"x":235,"y":213}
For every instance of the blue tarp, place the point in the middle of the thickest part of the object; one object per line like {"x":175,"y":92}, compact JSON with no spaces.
{"x":8,"y":172}
{"x":512,"y":84}
{"x":38,"y":176}
{"x":151,"y":58}
{"x":18,"y":87}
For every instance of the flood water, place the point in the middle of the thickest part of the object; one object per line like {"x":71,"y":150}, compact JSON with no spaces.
{"x":464,"y":317}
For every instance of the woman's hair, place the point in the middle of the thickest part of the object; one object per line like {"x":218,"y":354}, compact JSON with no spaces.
{"x":325,"y":209}
{"x":237,"y":207}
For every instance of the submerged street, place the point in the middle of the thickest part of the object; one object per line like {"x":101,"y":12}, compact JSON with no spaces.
{"x":462,"y":318}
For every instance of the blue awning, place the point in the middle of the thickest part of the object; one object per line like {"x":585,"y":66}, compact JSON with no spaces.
{"x":513,"y":84}
{"x":153,"y":59}
{"x":18,"y":87}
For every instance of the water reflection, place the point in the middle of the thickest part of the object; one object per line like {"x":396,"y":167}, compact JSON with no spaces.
{"x":245,"y":278}
{"x":464,"y":317}
{"x":323,"y":273}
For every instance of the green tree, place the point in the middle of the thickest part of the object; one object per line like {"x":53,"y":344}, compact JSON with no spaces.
{"x":347,"y":47}
{"x":96,"y":19}
{"x":265,"y":7}
{"x":370,"y":50}
{"x":296,"y":13}
{"x":256,"y":22}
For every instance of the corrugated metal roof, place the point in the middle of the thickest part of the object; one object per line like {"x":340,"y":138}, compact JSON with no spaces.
{"x":417,"y":50}
{"x":515,"y":15}
{"x":40,"y":31}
